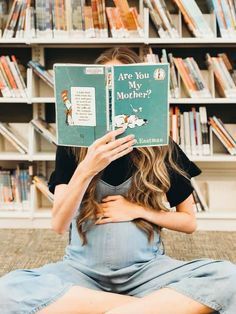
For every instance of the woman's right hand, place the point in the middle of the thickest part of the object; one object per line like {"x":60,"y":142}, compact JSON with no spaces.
{"x":106,"y":149}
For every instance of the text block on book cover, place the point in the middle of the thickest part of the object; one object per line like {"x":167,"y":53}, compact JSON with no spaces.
{"x":83,"y":106}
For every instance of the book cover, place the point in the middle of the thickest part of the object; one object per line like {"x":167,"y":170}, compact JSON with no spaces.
{"x":92,"y":100}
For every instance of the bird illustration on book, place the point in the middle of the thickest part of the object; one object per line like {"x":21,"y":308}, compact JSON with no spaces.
{"x":130,"y":121}
{"x":67,"y":103}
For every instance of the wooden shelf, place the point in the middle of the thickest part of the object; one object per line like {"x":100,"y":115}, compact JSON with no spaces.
{"x":214,"y":158}
{"x":44,"y":156}
{"x":13,"y":156}
{"x":206,"y":101}
{"x":119,"y":41}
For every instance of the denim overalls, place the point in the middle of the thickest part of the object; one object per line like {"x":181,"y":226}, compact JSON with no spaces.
{"x":118,"y":258}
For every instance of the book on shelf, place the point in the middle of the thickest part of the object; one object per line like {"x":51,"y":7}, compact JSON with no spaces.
{"x":131,"y":20}
{"x":162,"y":19}
{"x":198,"y":196}
{"x":192,"y":77}
{"x":12,"y":83}
{"x":225,"y":11}
{"x":194,"y":19}
{"x":16,"y":23}
{"x":13,"y":137}
{"x":41,"y":185}
{"x":94,"y":99}
{"x":41,"y":72}
{"x":15,"y":188}
{"x":3,"y":16}
{"x":45,"y":129}
{"x":229,"y":142}
{"x":151,"y":57}
{"x":72,"y":18}
{"x":224,"y":75}
{"x":190,"y":130}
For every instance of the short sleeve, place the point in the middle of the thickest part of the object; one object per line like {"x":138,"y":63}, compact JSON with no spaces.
{"x":181,"y":187}
{"x":65,"y":166}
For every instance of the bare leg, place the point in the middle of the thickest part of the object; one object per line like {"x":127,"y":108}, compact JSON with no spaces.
{"x":80,"y":300}
{"x":163,"y":301}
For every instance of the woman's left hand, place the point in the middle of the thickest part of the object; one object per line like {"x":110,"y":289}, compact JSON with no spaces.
{"x":116,"y":208}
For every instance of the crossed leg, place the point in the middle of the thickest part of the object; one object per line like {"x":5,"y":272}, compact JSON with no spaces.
{"x":163,"y":301}
{"x":80,"y":300}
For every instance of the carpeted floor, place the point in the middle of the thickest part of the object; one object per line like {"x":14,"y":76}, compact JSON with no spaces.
{"x":30,"y":248}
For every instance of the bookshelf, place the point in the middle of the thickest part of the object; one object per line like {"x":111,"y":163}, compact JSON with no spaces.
{"x":221,"y":167}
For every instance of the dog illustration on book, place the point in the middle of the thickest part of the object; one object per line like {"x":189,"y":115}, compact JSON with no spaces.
{"x":130,"y":120}
{"x":68,"y":111}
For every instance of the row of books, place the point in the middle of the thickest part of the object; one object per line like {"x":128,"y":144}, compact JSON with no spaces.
{"x":12,"y":83}
{"x":72,"y":18}
{"x":225,"y":11}
{"x":188,"y":69}
{"x":15,"y":188}
{"x":223,"y":134}
{"x":222,"y":66}
{"x":189,"y":72}
{"x":192,"y":129}
{"x":225,"y":75}
{"x":151,"y":57}
{"x":162,"y":19}
{"x":41,"y":72}
{"x":13,"y":137}
{"x":42,"y":185}
{"x":76,"y":18}
{"x":201,"y":204}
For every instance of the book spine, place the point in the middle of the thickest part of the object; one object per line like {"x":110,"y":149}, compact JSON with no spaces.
{"x":199,"y":134}
{"x":3,"y":86}
{"x":187,"y":133}
{"x":220,"y":18}
{"x":6,"y":80}
{"x":88,"y":20}
{"x":204,"y":130}
{"x":227,"y":15}
{"x":195,"y":13}
{"x":20,"y":76}
{"x":14,"y":19}
{"x":9,"y":75}
{"x":192,"y":134}
{"x":16,"y":77}
{"x":111,"y":21}
{"x":182,"y":131}
{"x":195,"y":130}
{"x":225,"y":141}
{"x":229,"y":135}
{"x":224,"y":132}
{"x":7,"y":28}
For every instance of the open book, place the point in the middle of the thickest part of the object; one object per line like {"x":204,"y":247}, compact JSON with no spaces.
{"x":92,"y":100}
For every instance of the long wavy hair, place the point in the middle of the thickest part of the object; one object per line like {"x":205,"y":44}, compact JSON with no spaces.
{"x":151,"y":179}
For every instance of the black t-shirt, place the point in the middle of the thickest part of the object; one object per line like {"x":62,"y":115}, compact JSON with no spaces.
{"x":122,"y":168}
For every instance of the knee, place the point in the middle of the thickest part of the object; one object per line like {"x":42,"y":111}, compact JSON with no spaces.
{"x":229,"y":274}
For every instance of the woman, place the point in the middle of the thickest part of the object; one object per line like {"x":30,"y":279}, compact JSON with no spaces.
{"x":114,"y":199}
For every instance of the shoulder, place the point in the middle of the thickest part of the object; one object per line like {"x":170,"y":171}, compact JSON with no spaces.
{"x":65,"y":165}
{"x":182,"y":161}
{"x":180,"y":184}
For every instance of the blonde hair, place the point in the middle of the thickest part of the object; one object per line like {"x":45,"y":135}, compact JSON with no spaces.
{"x":149,"y":183}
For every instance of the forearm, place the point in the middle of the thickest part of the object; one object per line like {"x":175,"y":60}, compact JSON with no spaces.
{"x":70,"y":200}
{"x":178,"y":221}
